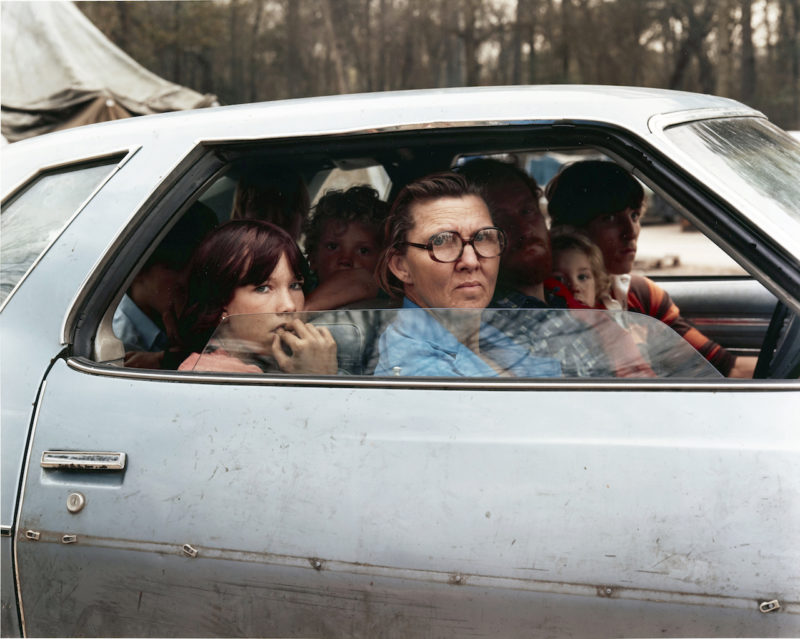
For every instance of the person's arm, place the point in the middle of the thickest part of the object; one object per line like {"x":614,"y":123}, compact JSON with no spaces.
{"x":343,"y":287}
{"x":744,"y":367}
{"x":144,"y":359}
{"x":645,"y":296}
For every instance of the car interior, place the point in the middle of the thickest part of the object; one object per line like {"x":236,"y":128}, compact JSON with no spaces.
{"x":724,"y":301}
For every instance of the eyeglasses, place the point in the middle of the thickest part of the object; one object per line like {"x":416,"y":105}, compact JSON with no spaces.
{"x":448,"y":246}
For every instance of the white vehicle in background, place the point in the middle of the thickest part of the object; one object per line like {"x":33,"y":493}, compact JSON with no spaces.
{"x":180,"y":503}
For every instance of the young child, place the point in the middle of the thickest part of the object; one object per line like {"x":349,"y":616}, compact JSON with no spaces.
{"x":343,"y":240}
{"x":578,"y":263}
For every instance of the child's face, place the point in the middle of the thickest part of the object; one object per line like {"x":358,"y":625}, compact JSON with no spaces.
{"x":572,"y":267}
{"x":344,"y":246}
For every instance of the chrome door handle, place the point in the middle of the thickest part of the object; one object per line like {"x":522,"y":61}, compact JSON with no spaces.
{"x":79,"y":460}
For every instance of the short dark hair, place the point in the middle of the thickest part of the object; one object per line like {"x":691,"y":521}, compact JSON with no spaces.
{"x":178,"y":245}
{"x":487,"y":172}
{"x":357,"y":204}
{"x":583,"y":190}
{"x":401,"y":220}
{"x":276,"y":196}
{"x":238,"y":253}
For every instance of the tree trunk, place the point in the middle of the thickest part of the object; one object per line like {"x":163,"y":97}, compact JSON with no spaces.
{"x":235,"y":64}
{"x":293,"y":70}
{"x":454,"y":74}
{"x":470,"y":44}
{"x":516,"y":44}
{"x":255,"y":49}
{"x":369,"y":47}
{"x":693,"y":45}
{"x":381,"y":82}
{"x":532,"y":71}
{"x":335,"y":50}
{"x":748,"y":85}
{"x":794,"y":121}
{"x":124,"y":25}
{"x":566,"y":38}
{"x":177,"y":49}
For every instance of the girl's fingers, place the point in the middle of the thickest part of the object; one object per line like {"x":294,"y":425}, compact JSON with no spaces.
{"x":284,"y":361}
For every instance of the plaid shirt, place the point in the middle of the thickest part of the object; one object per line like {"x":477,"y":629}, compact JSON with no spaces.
{"x":509,"y":298}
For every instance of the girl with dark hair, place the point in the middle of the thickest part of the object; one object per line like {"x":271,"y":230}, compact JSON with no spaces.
{"x":250,"y":267}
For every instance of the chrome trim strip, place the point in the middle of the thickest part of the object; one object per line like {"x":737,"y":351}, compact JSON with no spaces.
{"x":661,"y":121}
{"x":81,"y":159}
{"x":6,"y":531}
{"x":71,"y":219}
{"x":420,"y":125}
{"x":728,"y":321}
{"x":478,"y":580}
{"x":578,"y":384}
{"x":83,"y":460}
{"x":15,"y":543}
{"x":68,"y":316}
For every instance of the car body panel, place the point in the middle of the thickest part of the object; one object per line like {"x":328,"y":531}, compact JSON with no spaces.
{"x":440,"y":490}
{"x":33,"y":323}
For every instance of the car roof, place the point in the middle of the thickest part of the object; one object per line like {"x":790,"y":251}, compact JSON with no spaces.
{"x":628,"y":107}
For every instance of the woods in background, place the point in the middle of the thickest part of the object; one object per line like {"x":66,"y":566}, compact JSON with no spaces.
{"x":254,"y":50}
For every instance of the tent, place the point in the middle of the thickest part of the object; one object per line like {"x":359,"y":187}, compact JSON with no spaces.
{"x":59,"y":71}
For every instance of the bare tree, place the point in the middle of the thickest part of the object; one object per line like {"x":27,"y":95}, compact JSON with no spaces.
{"x":335,"y":47}
{"x":697,"y":19}
{"x":748,"y":73}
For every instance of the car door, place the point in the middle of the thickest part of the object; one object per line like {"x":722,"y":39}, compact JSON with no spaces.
{"x":193,"y":504}
{"x":275,"y":505}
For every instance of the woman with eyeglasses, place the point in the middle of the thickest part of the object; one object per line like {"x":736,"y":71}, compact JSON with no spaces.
{"x":442,"y":258}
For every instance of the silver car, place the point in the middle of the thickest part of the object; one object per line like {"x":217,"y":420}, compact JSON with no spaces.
{"x":162,"y":503}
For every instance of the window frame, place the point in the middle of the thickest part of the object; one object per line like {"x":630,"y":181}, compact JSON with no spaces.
{"x":207,"y":160}
{"x":121,"y":156}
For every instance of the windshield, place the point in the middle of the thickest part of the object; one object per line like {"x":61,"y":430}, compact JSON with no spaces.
{"x":510,"y":343}
{"x":759,"y":160}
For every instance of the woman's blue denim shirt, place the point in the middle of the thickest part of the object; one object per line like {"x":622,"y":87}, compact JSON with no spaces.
{"x":416,"y":344}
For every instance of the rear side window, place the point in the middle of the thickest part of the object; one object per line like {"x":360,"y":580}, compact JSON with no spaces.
{"x":37,"y":215}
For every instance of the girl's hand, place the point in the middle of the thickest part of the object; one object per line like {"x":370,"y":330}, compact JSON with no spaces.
{"x":313,"y":350}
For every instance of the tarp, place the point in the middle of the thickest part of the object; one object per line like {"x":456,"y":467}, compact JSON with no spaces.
{"x":59,"y":70}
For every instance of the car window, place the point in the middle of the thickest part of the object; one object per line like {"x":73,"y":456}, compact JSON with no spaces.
{"x":506,"y":343}
{"x":342,"y":179}
{"x":668,"y":245}
{"x":39,"y":213}
{"x":709,"y":310}
{"x":756,"y":154}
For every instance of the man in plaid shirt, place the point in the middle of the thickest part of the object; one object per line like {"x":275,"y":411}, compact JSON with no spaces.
{"x":585,"y":343}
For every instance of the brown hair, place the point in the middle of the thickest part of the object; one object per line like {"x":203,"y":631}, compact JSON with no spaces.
{"x":401,"y":219}
{"x":238,"y":253}
{"x":280,"y":197}
{"x":357,"y":204}
{"x":488,"y":172}
{"x":565,"y":238}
